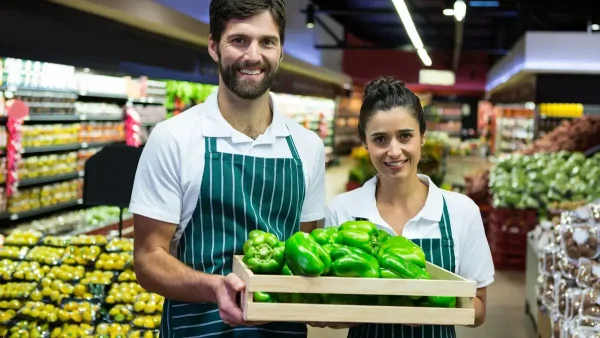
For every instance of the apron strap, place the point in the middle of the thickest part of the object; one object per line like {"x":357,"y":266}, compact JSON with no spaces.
{"x":292,"y":146}
{"x":445,"y":227}
{"x":210,"y":144}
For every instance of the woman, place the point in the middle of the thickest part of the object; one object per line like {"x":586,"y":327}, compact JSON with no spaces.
{"x":447,"y":225}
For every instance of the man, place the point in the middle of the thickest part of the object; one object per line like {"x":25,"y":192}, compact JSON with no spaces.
{"x":219,"y":170}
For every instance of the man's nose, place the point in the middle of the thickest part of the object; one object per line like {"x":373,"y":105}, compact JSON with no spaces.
{"x":253,"y":52}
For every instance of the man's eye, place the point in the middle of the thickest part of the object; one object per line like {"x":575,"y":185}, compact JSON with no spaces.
{"x":238,"y":40}
{"x":269,"y":42}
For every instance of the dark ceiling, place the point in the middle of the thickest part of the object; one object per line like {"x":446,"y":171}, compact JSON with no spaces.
{"x":488,"y":29}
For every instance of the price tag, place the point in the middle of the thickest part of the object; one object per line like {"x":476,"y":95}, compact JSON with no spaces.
{"x":81,"y":173}
{"x":80,"y":201}
{"x":82,"y":117}
{"x":14,"y":217}
{"x":84,"y":145}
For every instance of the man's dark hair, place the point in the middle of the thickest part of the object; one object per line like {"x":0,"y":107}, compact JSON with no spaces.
{"x":221,"y":11}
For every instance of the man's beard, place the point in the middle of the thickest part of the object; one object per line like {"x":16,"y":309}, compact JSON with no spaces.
{"x":247,"y":89}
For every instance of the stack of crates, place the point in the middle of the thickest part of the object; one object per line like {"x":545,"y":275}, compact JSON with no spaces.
{"x":507,"y":235}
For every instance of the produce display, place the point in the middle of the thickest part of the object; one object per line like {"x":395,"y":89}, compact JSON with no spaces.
{"x":576,"y":135}
{"x":47,"y":195}
{"x":47,"y":165}
{"x":545,"y":181}
{"x":52,"y":286}
{"x":569,"y":267}
{"x":356,"y":249}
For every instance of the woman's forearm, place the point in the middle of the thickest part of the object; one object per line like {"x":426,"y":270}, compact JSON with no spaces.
{"x":480,"y":310}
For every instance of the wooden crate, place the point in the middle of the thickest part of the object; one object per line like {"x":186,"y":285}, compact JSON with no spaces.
{"x":444,"y":283}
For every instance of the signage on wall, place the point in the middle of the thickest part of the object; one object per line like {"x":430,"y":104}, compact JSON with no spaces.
{"x":437,"y":77}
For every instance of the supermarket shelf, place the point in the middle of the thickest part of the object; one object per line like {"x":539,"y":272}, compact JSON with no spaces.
{"x":71,"y":117}
{"x":50,"y":179}
{"x":105,"y":229}
{"x":40,"y":211}
{"x":26,"y":89}
{"x":63,"y":147}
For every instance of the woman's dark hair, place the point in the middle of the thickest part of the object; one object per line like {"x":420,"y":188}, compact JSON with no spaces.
{"x":386,"y":93}
{"x":221,"y":11}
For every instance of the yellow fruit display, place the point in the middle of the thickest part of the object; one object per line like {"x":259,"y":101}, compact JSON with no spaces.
{"x":46,"y":255}
{"x":72,"y":330}
{"x":105,"y":330}
{"x":123,"y":293}
{"x":40,"y":311}
{"x":80,"y":311}
{"x":7,"y":267}
{"x":13,"y":252}
{"x":121,"y":313}
{"x":57,"y":241}
{"x":114,"y":261}
{"x":147,"y":322}
{"x":13,"y":304}
{"x":120,"y":245}
{"x":148,"y":303}
{"x":66,"y":273}
{"x":28,"y":329}
{"x":89,"y":240}
{"x":16,"y":290}
{"x":29,"y":271}
{"x":127,"y":276}
{"x":143,"y":334}
{"x":57,"y":290}
{"x":98,"y":277}
{"x":81,"y":255}
{"x":7,"y":315}
{"x":23,"y":238}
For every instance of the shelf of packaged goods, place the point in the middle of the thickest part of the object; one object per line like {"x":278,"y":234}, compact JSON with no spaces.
{"x":49,"y":179}
{"x":40,"y":211}
{"x":107,"y":228}
{"x":72,"y":117}
{"x":64,"y":147}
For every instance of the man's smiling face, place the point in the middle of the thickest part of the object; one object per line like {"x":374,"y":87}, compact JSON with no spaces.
{"x":249,"y":54}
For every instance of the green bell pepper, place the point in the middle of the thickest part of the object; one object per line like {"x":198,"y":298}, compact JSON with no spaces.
{"x":353,"y":262}
{"x":395,"y":301}
{"x":344,"y":299}
{"x":405,"y":248}
{"x":326,"y":236}
{"x":439,"y":301}
{"x":286,"y":270}
{"x":363,"y":235}
{"x":305,"y":257}
{"x":263,"y":252}
{"x":263,"y":297}
{"x":402,"y":267}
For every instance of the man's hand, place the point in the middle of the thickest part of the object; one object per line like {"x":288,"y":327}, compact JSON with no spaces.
{"x":226,"y":293}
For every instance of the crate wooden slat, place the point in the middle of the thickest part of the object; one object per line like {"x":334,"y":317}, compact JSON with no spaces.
{"x":444,"y":283}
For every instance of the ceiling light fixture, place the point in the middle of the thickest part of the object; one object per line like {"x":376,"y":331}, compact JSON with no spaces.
{"x":310,"y":16}
{"x":411,"y":30}
{"x":596,"y":27}
{"x":448,"y":12}
{"x":460,"y":10}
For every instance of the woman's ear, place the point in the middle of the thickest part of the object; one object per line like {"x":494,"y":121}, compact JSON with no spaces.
{"x":423,"y":139}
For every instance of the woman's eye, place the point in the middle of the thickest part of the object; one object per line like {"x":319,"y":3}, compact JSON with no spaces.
{"x":405,"y":137}
{"x":379,"y":139}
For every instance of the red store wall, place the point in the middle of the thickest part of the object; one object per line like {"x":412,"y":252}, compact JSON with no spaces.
{"x":366,"y":64}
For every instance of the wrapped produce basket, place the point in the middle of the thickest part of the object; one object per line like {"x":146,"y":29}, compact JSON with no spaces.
{"x":443,"y":283}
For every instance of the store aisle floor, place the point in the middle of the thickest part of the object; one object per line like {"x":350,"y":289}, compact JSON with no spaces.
{"x":506,"y":297}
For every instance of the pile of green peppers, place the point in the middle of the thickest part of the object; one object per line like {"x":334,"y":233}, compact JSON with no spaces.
{"x":354,"y":249}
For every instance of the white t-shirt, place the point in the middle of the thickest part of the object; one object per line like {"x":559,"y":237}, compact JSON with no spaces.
{"x":169,"y":174}
{"x":471,"y":249}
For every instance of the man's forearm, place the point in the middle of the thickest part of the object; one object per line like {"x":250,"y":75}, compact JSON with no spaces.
{"x":161,"y":273}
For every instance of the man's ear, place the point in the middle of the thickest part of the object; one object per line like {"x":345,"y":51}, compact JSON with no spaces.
{"x":213,"y":48}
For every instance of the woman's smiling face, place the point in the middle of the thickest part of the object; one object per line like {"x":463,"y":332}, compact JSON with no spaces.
{"x":394,"y":143}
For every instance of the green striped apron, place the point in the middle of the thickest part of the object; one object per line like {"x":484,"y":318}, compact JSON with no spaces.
{"x":238,"y":194}
{"x":439,"y":251}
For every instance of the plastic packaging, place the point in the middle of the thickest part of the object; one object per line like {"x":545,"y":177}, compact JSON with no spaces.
{"x":127,"y":276}
{"x":46,"y":255}
{"x":114,"y":261}
{"x":89,"y":240}
{"x":148,"y":303}
{"x":588,"y":275}
{"x":28,"y":271}
{"x":144,"y":334}
{"x":590,"y":305}
{"x":580,"y":240}
{"x":120,"y":245}
{"x":568,"y":268}
{"x":57,"y":241}
{"x":561,"y":287}
{"x":548,"y":291}
{"x":33,"y":310}
{"x":66,"y":273}
{"x":73,"y":330}
{"x":7,"y":268}
{"x":98,"y":277}
{"x":122,"y":330}
{"x":6,"y":316}
{"x":547,"y":262}
{"x":120,"y":313}
{"x":18,"y":290}
{"x":147,"y":322}
{"x":13,"y":252}
{"x":123,"y":293}
{"x":80,"y":311}
{"x":81,"y":255}
{"x":23,"y":238}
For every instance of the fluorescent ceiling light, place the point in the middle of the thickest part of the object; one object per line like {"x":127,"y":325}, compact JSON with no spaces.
{"x":448,"y":12}
{"x":484,"y":3}
{"x":596,"y":27}
{"x":424,"y":57}
{"x":460,"y":10}
{"x":411,"y":30}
